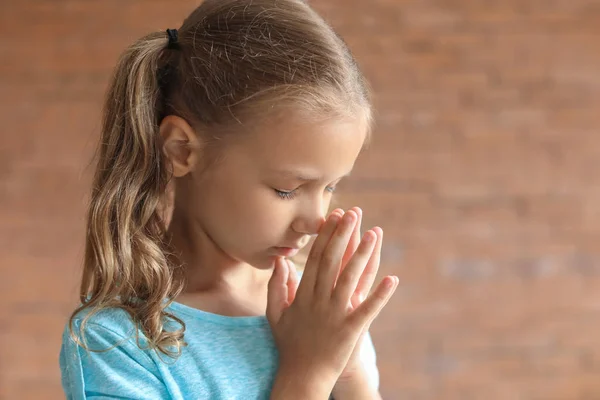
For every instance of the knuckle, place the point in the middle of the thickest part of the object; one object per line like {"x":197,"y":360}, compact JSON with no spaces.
{"x":314,"y":256}
{"x":328,"y":258}
{"x":347,"y":278}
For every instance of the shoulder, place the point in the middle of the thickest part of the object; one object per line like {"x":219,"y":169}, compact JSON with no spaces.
{"x":104,"y":353}
{"x":110,"y":322}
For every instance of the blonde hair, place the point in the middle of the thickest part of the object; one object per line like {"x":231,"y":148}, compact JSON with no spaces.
{"x":234,"y":60}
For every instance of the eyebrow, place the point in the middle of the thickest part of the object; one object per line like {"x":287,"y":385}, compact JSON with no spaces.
{"x":303,"y":176}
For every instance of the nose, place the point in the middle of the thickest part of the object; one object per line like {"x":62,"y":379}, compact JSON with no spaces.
{"x":310,"y":217}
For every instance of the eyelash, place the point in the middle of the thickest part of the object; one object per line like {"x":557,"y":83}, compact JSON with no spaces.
{"x":292,"y":193}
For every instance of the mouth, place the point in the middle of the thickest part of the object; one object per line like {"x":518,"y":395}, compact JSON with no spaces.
{"x":286,"y":251}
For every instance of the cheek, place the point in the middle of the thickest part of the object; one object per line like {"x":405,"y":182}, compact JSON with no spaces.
{"x":266,"y":212}
{"x":250,"y":216}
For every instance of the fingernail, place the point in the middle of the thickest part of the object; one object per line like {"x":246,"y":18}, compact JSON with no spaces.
{"x":349,"y":217}
{"x":361,"y":298}
{"x":337,"y":212}
{"x":389,"y":283}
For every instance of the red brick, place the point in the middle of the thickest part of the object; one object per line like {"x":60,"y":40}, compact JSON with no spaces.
{"x":482,"y":173}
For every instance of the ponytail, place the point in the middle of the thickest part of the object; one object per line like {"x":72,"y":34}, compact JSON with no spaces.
{"x":126,"y":262}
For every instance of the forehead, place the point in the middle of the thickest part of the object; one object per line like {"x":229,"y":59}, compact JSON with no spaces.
{"x":325,"y":149}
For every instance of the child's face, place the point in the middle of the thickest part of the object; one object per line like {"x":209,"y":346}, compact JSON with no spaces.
{"x":237,"y":204}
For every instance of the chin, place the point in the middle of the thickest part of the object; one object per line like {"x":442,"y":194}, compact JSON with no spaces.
{"x":262,"y":262}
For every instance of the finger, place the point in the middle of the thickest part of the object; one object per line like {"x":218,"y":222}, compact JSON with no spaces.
{"x":277,"y":291}
{"x":284,"y":287}
{"x":355,"y":241}
{"x":348,"y":280}
{"x":307,"y":284}
{"x":372,"y":306}
{"x":292,"y":282}
{"x":331,"y":260}
{"x":367,"y":278}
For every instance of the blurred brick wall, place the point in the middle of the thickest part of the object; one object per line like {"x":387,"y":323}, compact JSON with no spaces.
{"x":483,"y":175}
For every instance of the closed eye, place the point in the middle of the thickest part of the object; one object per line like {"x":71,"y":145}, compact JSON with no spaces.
{"x":286,"y":195}
{"x":290,"y":194}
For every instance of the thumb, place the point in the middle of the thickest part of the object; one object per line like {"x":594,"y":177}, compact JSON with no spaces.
{"x":277,"y":297}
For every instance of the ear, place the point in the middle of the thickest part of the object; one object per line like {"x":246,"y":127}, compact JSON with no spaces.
{"x":180,"y":144}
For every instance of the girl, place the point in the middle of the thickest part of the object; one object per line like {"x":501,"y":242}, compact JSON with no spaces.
{"x":221,"y":145}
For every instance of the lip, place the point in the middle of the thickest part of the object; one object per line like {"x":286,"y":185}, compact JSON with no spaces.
{"x":287,"y":251}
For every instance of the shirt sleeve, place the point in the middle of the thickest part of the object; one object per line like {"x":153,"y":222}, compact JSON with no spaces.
{"x":124,"y":371}
{"x":368,"y":358}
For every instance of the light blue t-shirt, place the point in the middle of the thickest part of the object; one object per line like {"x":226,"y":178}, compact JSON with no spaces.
{"x":226,"y":358}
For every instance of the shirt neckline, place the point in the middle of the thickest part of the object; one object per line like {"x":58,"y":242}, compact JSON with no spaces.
{"x":218,"y":318}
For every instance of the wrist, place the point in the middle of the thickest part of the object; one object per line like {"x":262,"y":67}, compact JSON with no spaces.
{"x":301,"y":384}
{"x":354,"y":385}
{"x":354,"y":372}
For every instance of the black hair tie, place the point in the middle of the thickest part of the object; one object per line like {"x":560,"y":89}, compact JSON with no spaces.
{"x":173,"y":39}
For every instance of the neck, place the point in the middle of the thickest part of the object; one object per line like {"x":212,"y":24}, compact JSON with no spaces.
{"x":206,"y":267}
